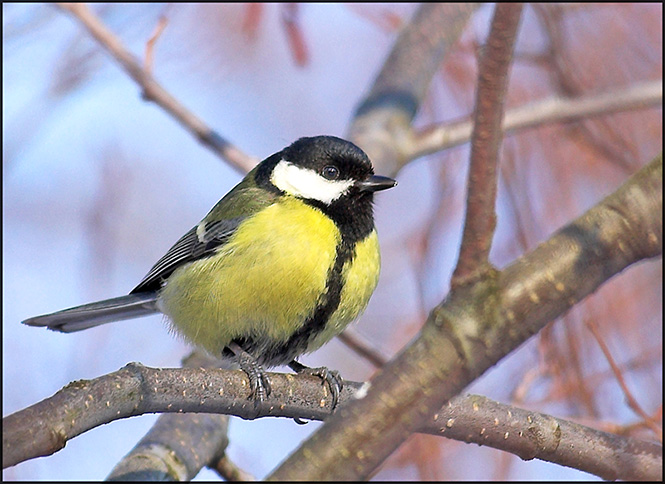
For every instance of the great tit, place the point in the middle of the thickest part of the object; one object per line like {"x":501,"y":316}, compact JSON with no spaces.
{"x":279,"y":266}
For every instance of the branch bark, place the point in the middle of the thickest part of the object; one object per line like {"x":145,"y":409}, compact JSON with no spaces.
{"x":45,"y":428}
{"x":382,"y":121}
{"x":532,"y":435}
{"x":202,"y":438}
{"x":538,"y":113}
{"x":480,"y":218}
{"x":178,"y":445}
{"x":160,"y":457}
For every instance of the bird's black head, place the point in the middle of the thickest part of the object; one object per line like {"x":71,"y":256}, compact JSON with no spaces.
{"x":322,"y":168}
{"x":329,"y":173}
{"x":333,"y":159}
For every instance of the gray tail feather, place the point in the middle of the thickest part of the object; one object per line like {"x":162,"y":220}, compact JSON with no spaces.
{"x":101,"y":312}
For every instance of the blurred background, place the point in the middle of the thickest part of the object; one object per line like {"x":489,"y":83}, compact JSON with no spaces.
{"x":98,"y":184}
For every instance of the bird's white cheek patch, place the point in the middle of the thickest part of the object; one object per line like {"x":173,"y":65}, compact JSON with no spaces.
{"x":304,"y":183}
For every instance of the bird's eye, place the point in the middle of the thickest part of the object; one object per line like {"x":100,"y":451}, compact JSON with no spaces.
{"x":330,"y":172}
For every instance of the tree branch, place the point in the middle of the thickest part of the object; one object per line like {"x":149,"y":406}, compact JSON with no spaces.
{"x":45,"y":427}
{"x":382,"y":121}
{"x":160,"y":457}
{"x":547,"y":111}
{"x":360,"y":347}
{"x":137,"y":389}
{"x":230,"y":471}
{"x":480,"y":219}
{"x":153,"y":91}
{"x":178,"y":445}
{"x":532,"y":435}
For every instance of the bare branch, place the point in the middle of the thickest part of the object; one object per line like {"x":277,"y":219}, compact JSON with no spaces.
{"x":178,"y":445}
{"x":153,"y":91}
{"x":480,"y":219}
{"x":532,"y":435}
{"x":160,"y":457}
{"x":230,"y":471}
{"x":382,"y":121}
{"x":138,"y":389}
{"x":45,"y":428}
{"x":553,"y":110}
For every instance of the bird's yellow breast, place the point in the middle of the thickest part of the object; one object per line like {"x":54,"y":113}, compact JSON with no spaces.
{"x":267,"y":279}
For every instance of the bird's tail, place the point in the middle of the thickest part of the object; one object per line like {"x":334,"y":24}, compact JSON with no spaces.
{"x":101,"y":312}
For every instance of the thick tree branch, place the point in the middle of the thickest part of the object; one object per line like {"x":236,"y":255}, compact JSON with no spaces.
{"x":45,"y":427}
{"x":477,"y":325}
{"x":480,"y":218}
{"x":178,"y":445}
{"x":136,"y":389}
{"x":532,"y":435}
{"x":153,"y":91}
{"x":160,"y":457}
{"x":382,"y":121}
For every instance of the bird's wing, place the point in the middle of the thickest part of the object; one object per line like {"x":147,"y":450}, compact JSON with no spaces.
{"x":204,"y":239}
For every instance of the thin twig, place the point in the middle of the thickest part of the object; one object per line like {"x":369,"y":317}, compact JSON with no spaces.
{"x":227,"y":469}
{"x":150,"y":44}
{"x":153,"y":91}
{"x":630,"y":399}
{"x":351,"y":339}
{"x":553,"y":110}
{"x":291,"y":22}
{"x":480,"y":220}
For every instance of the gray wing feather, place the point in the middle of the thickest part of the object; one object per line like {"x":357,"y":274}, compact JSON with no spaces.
{"x":188,"y":248}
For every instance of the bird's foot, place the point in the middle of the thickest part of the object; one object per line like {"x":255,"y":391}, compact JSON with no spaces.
{"x":259,"y":383}
{"x":332,"y":377}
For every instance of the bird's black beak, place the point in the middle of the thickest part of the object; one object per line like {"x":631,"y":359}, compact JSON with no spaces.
{"x":376,"y":183}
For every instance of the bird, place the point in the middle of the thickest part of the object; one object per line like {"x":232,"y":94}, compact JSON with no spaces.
{"x":277,"y":268}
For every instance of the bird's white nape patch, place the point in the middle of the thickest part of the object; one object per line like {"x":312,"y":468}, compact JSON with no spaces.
{"x":304,"y":183}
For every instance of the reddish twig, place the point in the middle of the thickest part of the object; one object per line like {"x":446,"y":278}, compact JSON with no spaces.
{"x":150,"y":44}
{"x":297,"y":43}
{"x":480,"y":218}
{"x":351,"y":339}
{"x":630,"y":399}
